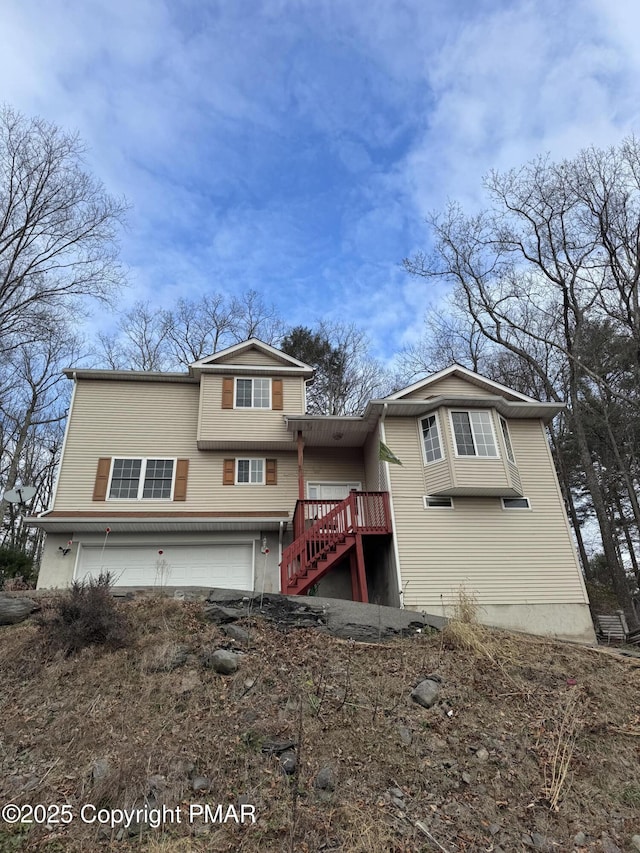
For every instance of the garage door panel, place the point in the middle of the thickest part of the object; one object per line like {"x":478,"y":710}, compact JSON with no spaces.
{"x":218,"y":565}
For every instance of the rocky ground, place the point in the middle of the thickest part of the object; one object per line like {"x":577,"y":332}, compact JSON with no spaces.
{"x":465,"y":740}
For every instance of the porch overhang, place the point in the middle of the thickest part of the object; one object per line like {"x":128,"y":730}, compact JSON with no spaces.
{"x":331,"y":430}
{"x":149,"y":523}
{"x":516,"y":409}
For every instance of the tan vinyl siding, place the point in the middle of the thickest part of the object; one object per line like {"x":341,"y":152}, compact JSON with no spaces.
{"x":251,"y":356}
{"x":333,"y":465}
{"x":373,"y":467}
{"x":218,"y":424}
{"x":151,"y":419}
{"x":503,"y":556}
{"x":451,"y":385}
{"x":438,"y":478}
{"x":514,"y":476}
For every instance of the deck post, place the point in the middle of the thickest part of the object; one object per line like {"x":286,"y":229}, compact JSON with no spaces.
{"x":362,"y":575}
{"x":353,"y":565}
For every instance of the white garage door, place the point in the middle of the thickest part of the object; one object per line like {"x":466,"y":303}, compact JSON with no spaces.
{"x":226,"y":566}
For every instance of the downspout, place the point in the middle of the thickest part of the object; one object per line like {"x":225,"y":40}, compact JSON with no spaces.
{"x":280,"y":536}
{"x":394,"y":538}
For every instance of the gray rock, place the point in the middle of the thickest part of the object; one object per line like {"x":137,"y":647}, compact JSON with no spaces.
{"x":222,"y":661}
{"x":494,"y":828}
{"x":272,"y":746}
{"x":325,"y":779}
{"x":466,"y":778}
{"x":426,"y":693}
{"x":200,"y":783}
{"x":482,"y":755}
{"x":635,"y":842}
{"x":156,"y":782}
{"x":14,"y":610}
{"x":346,"y":619}
{"x":222,"y":615}
{"x":608,"y":846}
{"x":235,"y":632}
{"x":100,"y":769}
{"x":288,"y":762}
{"x":580,"y":839}
{"x":405,"y":735}
{"x":542,"y":843}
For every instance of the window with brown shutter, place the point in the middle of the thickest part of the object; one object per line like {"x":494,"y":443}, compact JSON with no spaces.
{"x":180,"y":487}
{"x":272,"y":472}
{"x":227,"y":392}
{"x":276,"y":395}
{"x":102,"y":478}
{"x":228,"y":472}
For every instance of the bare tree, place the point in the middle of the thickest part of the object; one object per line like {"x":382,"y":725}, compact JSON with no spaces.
{"x":142,"y":341}
{"x":557,"y":251}
{"x":154,"y":338}
{"x":58,"y":228}
{"x":196,"y":329}
{"x":347,"y":376}
{"x":252,"y":317}
{"x":451,"y":337}
{"x":32,"y":413}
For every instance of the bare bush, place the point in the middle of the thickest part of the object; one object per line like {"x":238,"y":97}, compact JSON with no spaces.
{"x":85,"y":616}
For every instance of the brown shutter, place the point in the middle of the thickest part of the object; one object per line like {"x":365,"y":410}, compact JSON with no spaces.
{"x":227,"y":392}
{"x":102,"y":479}
{"x":229,"y":472}
{"x":180,"y":487}
{"x":276,"y":394}
{"x":271,"y":478}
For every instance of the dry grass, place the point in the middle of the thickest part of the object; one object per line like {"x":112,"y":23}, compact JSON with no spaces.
{"x":556,"y":743}
{"x":345,"y":705}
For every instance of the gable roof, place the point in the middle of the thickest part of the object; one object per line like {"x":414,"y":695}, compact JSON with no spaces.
{"x":244,"y":346}
{"x":487,"y":385}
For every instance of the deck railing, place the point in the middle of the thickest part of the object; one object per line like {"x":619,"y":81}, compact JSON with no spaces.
{"x":320,"y":526}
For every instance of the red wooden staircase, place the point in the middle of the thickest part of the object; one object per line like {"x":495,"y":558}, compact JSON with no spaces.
{"x":328,"y":532}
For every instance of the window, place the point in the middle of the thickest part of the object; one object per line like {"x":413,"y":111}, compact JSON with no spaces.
{"x":431,"y":439}
{"x":516,"y":503}
{"x":507,"y":440}
{"x":253,"y":393}
{"x":136,"y":479}
{"x":473,"y":434}
{"x":250,"y":471}
{"x":437,"y":502}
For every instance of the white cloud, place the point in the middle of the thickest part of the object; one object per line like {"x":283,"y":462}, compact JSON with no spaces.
{"x":296,"y":145}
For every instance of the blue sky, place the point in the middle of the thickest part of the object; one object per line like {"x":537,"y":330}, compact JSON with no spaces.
{"x":295,"y":146}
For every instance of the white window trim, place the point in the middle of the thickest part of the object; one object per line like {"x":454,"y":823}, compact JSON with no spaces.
{"x":252,"y":408}
{"x":143,"y":472}
{"x":516,"y":508}
{"x":440,"y":439}
{"x":427,"y":498}
{"x":251,"y":459}
{"x":511,"y":458}
{"x":473,"y":438}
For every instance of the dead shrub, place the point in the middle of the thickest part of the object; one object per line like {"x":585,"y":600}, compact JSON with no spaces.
{"x":85,"y":616}
{"x":558,"y":730}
